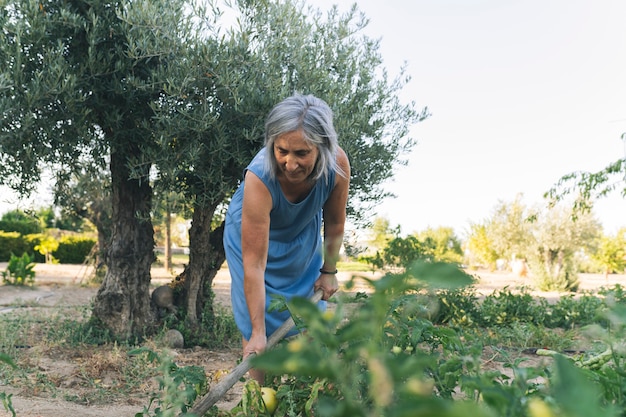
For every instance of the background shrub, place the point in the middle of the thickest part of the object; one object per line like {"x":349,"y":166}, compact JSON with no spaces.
{"x":31,"y":241}
{"x":12,"y":242}
{"x":73,"y":249}
{"x":20,"y":222}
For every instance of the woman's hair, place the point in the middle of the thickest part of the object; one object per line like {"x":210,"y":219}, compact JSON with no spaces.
{"x":311,"y":115}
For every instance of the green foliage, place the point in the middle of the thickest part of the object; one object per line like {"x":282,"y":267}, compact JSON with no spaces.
{"x":178,"y":386}
{"x":570,"y":312}
{"x":509,"y":229}
{"x":21,"y":222}
{"x":11,"y":242}
{"x":611,"y":252}
{"x":386,"y":358}
{"x":550,"y":242}
{"x":73,"y":249}
{"x":380,"y":233}
{"x":400,"y":251}
{"x":461,"y":307}
{"x":457,"y":307}
{"x":506,"y":307}
{"x":69,"y":249}
{"x":252,"y":403}
{"x":558,"y":238}
{"x":7,"y":402}
{"x":47,"y":244}
{"x":438,"y":245}
{"x":19,"y":271}
{"x":215,"y":329}
{"x":586,"y":187}
{"x":441,"y":245}
{"x":481,"y":248}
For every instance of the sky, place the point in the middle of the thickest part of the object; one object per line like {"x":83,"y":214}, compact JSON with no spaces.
{"x":521,"y":92}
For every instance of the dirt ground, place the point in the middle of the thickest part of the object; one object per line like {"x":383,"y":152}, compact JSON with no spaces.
{"x":65,"y":285}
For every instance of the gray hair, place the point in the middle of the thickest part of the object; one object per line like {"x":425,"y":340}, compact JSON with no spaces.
{"x":315,"y":118}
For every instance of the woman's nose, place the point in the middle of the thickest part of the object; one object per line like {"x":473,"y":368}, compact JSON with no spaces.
{"x":291,"y":163}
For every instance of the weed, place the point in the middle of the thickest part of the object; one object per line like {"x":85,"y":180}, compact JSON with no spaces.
{"x":6,"y":399}
{"x":178,"y":386}
{"x":19,"y":270}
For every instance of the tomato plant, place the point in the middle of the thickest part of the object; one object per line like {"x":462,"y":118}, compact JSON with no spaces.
{"x":404,"y":350}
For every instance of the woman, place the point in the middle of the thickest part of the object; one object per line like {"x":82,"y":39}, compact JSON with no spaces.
{"x":273,"y":229}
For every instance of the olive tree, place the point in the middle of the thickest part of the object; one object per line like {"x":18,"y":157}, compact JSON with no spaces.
{"x":611,"y":253}
{"x":557,"y":238}
{"x":274,"y":50}
{"x":504,"y":235}
{"x":548,"y":240}
{"x":77,"y":86}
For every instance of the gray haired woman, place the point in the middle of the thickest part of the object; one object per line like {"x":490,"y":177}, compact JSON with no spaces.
{"x":274,"y":246}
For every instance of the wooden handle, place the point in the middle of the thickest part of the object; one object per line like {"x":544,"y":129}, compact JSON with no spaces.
{"x":226,"y":383}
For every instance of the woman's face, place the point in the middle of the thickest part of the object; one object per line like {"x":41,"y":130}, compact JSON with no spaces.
{"x":296,"y":158}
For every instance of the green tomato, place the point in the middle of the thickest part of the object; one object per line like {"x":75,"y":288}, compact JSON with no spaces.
{"x":269,"y":398}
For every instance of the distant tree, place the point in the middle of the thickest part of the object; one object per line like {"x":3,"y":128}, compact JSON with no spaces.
{"x":380,"y":233}
{"x":432,"y":245}
{"x":507,"y":234}
{"x":548,"y":240}
{"x":509,"y":228}
{"x":611,"y":253}
{"x":480,"y":247}
{"x":20,"y":221}
{"x":167,"y":205}
{"x":399,"y":252}
{"x":557,"y":238}
{"x":46,"y":217}
{"x":441,"y":245}
{"x":86,"y":195}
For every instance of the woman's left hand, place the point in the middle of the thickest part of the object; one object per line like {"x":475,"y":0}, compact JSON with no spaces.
{"x":328,"y":284}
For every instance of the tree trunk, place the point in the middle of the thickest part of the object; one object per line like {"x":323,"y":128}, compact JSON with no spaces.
{"x":206,"y":256}
{"x":167,"y":262}
{"x":122,"y":303}
{"x":101,"y":219}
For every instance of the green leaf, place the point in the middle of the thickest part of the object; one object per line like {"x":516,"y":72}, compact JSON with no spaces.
{"x":7,"y":359}
{"x":440,"y":275}
{"x":576,"y":394}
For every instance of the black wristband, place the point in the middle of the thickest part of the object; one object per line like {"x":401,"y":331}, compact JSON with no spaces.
{"x":322,"y":271}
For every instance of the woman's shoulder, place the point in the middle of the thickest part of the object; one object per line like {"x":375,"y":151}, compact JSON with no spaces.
{"x":343,"y":165}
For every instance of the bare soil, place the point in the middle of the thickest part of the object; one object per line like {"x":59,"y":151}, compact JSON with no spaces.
{"x":67,"y":285}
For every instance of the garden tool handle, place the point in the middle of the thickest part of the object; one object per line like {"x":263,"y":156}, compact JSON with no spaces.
{"x":226,"y":383}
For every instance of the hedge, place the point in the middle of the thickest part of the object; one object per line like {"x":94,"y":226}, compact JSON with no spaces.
{"x":71,"y":250}
{"x":12,"y":243}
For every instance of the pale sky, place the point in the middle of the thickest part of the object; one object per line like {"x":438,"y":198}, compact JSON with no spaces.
{"x":521,"y":93}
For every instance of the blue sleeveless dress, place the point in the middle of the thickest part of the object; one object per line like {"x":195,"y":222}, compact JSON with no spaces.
{"x":294,"y":252}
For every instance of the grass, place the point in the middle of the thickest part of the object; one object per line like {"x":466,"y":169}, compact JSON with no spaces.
{"x":58,"y":354}
{"x":353,"y":266}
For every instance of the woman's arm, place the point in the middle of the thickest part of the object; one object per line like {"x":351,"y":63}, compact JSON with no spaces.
{"x":255,"y":223}
{"x":334,"y":224}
